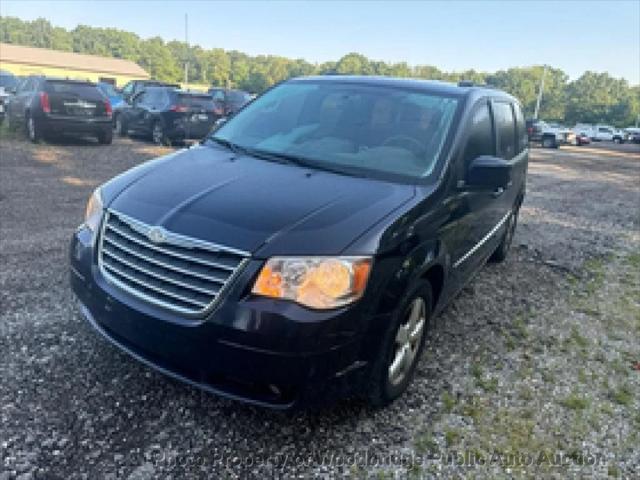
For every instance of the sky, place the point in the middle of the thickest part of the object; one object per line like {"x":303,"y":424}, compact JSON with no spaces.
{"x":603,"y":36}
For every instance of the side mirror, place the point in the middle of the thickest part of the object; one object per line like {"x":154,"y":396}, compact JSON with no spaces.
{"x":221,"y":121}
{"x":489,"y":172}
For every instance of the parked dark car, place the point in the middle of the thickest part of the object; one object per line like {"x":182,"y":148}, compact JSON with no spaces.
{"x":167,"y":115}
{"x":633,"y":134}
{"x":8,"y":85}
{"x":230,"y":100}
{"x":46,"y":106}
{"x":302,"y":251}
{"x":136,"y":86}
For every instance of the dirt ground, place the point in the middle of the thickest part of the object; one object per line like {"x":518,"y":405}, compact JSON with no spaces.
{"x":533,"y":371}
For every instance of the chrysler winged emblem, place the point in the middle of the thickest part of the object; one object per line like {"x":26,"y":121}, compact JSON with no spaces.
{"x":157,"y":234}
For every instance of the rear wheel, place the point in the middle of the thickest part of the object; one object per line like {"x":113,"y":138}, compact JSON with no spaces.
{"x":158,"y":135}
{"x":33,"y":129}
{"x":105,"y":137}
{"x":403,"y":342}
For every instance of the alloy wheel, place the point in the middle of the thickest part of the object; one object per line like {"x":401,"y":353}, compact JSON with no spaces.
{"x":158,"y":134}
{"x":31,"y":128}
{"x":407,"y":341}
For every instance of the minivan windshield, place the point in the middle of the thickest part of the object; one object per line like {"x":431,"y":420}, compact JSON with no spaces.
{"x":345,"y":127}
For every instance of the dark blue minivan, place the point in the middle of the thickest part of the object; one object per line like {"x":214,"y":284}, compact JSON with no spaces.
{"x":301,"y":251}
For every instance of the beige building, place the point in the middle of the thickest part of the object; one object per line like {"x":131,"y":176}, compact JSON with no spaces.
{"x":21,"y":60}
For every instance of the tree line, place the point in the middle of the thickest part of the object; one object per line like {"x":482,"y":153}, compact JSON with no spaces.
{"x":592,"y":98}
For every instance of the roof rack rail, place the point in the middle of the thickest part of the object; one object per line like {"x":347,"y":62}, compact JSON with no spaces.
{"x":471,"y":83}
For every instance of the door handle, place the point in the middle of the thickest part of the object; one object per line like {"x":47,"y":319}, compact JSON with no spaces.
{"x":497,"y":192}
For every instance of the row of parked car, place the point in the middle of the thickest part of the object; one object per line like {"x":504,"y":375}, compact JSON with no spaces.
{"x":163,"y":112}
{"x":552,"y":135}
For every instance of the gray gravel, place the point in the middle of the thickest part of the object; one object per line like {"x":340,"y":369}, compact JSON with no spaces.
{"x":535,"y":358}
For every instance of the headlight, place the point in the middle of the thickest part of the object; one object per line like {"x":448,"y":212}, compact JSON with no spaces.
{"x":93,"y":212}
{"x":316,"y":282}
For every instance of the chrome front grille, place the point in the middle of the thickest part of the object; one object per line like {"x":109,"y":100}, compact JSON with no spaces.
{"x":178,"y":273}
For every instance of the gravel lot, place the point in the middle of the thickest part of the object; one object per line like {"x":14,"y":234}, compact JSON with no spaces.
{"x":533,"y":371}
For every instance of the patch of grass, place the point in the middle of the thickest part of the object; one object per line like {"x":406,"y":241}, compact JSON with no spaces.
{"x":548,"y":376}
{"x":6,"y":133}
{"x":488,"y":384}
{"x":508,"y":432}
{"x":414,"y":470}
{"x":452,"y":437}
{"x":606,"y":408}
{"x":633,"y":260}
{"x":476,"y":370}
{"x":623,"y":395}
{"x":520,"y":327}
{"x":575,"y":402}
{"x":613,"y":471}
{"x":578,"y":338}
{"x":473,"y":409}
{"x":425,"y":443}
{"x":582,"y":376}
{"x":448,"y":401}
{"x":526,"y":393}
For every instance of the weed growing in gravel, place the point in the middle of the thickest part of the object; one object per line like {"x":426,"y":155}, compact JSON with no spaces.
{"x":579,"y":339}
{"x":452,"y":437}
{"x":473,"y":408}
{"x":623,"y":395}
{"x":425,"y":443}
{"x":448,"y":401}
{"x":575,"y":402}
{"x":613,"y":471}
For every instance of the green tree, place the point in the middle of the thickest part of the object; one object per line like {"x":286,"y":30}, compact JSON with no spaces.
{"x":594,"y":97}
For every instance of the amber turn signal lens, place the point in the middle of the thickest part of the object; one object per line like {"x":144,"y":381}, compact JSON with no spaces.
{"x":268,"y":283}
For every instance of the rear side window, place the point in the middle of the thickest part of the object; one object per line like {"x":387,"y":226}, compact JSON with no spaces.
{"x":505,"y":127}
{"x":522,"y":140}
{"x":481,"y":138}
{"x":81,"y":89}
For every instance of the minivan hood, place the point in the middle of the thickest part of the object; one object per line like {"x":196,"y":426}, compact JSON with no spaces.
{"x":261,"y":207}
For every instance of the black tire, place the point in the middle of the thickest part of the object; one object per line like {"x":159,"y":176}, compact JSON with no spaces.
{"x":33,"y":128}
{"x":500,"y":254}
{"x":381,"y":389}
{"x":105,"y":137}
{"x":158,"y":134}
{"x":617,"y":140}
{"x":120,"y":126}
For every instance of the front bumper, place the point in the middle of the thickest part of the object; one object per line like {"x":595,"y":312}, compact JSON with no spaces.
{"x":265,"y":352}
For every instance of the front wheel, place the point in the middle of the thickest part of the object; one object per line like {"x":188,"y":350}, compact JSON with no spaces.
{"x":403,"y":342}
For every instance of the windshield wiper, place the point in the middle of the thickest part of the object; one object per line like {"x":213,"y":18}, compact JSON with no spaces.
{"x":303,"y":162}
{"x":235,"y":148}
